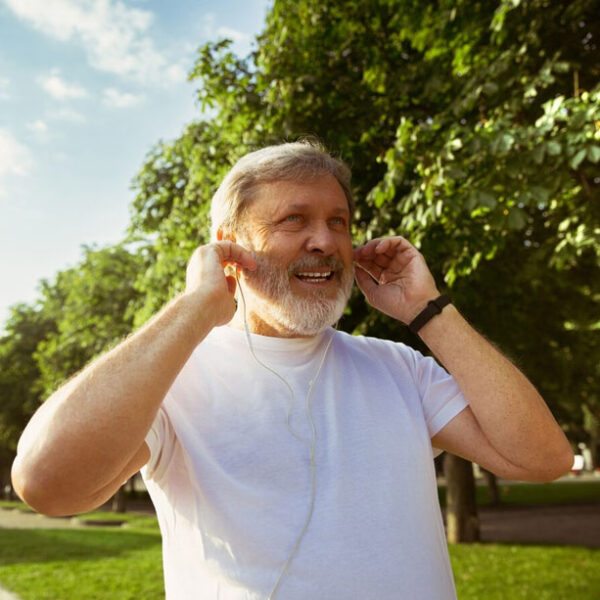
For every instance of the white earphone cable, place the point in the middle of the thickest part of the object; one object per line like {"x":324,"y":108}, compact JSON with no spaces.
{"x":311,"y":445}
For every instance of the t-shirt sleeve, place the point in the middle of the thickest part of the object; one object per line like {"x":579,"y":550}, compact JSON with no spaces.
{"x":161,"y":440}
{"x":441,"y":398}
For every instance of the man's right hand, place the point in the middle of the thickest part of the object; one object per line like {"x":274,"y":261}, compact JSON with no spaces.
{"x":206,"y":276}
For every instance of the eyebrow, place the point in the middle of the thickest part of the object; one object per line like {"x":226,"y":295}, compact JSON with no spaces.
{"x":303,"y":205}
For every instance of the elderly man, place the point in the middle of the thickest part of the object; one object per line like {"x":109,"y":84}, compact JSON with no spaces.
{"x":285,"y":458}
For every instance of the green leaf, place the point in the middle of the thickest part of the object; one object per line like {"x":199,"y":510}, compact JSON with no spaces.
{"x":593,"y":154}
{"x":517,"y":218}
{"x":553,"y":148}
{"x":578,"y":158}
{"x":489,"y":88}
{"x":538,"y":153}
{"x":486,"y":199}
{"x":541,"y":194}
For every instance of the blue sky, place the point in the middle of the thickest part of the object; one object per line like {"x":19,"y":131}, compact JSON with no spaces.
{"x":87,"y":87}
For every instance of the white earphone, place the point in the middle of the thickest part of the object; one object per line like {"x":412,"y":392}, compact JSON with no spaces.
{"x":311,"y":444}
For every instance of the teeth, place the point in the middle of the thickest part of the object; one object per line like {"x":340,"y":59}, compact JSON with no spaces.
{"x":317,"y":275}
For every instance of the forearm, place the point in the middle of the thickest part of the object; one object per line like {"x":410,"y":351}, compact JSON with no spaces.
{"x":510,"y":412}
{"x":88,"y":431}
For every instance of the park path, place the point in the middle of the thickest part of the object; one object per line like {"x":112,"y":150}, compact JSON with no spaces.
{"x":17,"y":519}
{"x":561,"y":524}
{"x":570,"y":524}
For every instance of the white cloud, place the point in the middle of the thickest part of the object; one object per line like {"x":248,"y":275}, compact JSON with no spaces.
{"x":67,"y":114}
{"x":210,"y":30}
{"x":15,"y":158}
{"x":58,"y":88}
{"x":38,"y":127}
{"x":236,"y":36}
{"x":4,"y":87}
{"x":113,"y":35}
{"x":210,"y":20}
{"x":116,"y":99}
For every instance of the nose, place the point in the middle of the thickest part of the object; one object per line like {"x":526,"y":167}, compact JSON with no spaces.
{"x":321,"y":240}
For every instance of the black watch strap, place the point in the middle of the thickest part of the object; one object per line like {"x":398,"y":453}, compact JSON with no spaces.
{"x":434,"y":307}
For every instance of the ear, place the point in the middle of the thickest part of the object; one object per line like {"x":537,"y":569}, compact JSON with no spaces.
{"x":225,"y":236}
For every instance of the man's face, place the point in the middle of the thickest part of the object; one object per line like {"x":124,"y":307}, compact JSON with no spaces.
{"x":299,"y":234}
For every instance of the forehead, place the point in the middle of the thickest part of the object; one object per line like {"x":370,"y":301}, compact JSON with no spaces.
{"x":322,"y":193}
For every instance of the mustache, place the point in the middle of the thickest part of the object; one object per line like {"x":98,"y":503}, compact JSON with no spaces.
{"x":301,"y":264}
{"x":309,"y":262}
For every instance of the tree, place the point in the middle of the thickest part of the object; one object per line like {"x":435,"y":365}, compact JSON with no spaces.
{"x":91,"y":305}
{"x":473,"y":128}
{"x":26,"y":327}
{"x":83,"y":312}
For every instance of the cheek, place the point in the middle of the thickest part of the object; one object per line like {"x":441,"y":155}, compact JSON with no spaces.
{"x":346,"y":250}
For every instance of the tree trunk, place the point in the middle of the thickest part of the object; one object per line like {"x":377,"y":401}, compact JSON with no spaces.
{"x":492,"y":485}
{"x":462,"y":522}
{"x":591,"y":425}
{"x":5,"y":484}
{"x":119,"y":501}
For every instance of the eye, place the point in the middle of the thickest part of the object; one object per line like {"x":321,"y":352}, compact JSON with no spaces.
{"x":337,"y":222}
{"x":295,"y":218}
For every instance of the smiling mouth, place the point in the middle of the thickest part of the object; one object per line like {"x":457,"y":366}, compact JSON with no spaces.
{"x":310,"y":277}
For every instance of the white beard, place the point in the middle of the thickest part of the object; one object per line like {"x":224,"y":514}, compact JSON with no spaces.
{"x":299,"y":315}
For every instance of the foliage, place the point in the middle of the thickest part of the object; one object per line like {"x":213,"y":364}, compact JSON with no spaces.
{"x":90,"y":306}
{"x":473,"y":128}
{"x":26,"y":327}
{"x":85,"y":310}
{"x":170,"y":211}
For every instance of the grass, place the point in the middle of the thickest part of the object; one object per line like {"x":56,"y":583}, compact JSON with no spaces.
{"x":124,"y":563}
{"x":501,"y":572}
{"x":82,"y":564}
{"x":97,"y":564}
{"x":534,"y":494}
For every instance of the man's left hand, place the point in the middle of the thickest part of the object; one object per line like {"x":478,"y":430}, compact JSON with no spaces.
{"x":394,"y":277}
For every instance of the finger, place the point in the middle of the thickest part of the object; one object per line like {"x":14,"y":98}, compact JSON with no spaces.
{"x":367,"y":249}
{"x":393,"y":246}
{"x":365,"y":282}
{"x":232,"y":253}
{"x":398,"y":253}
{"x":371,"y":268}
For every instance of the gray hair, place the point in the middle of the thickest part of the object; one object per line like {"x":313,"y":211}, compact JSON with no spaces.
{"x":284,"y":162}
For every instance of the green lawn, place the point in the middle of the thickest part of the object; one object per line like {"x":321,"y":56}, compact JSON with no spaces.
{"x":510,"y":572}
{"x":115,"y":563}
{"x":121,"y":564}
{"x":533,"y":494}
{"x":81,"y":564}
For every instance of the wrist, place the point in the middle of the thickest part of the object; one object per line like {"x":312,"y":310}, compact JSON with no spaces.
{"x":197,"y":310}
{"x":441,"y":326}
{"x":427,"y":312}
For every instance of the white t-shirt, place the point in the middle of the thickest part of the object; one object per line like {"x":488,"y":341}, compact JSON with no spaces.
{"x":231,"y":484}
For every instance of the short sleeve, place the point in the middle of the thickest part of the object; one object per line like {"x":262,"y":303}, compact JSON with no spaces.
{"x":161,"y":441}
{"x":441,"y":398}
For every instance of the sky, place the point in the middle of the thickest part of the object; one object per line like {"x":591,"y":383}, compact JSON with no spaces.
{"x":87,"y":88}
